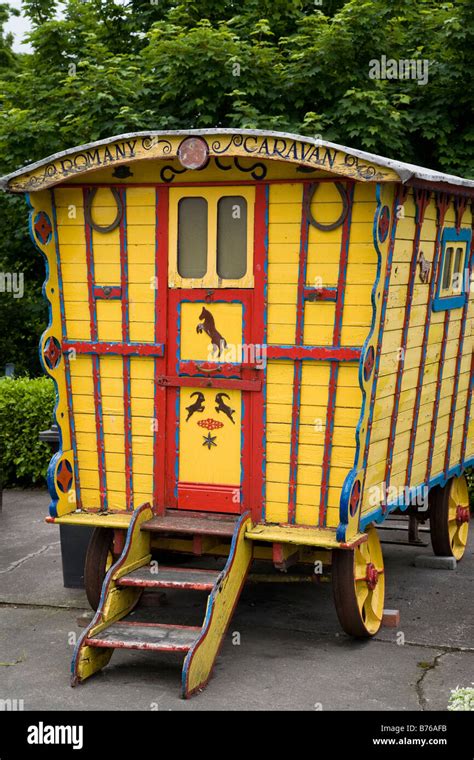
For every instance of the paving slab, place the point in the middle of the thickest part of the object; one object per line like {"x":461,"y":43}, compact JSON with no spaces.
{"x":292,"y":653}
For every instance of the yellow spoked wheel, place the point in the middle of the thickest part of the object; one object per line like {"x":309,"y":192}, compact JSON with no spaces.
{"x":358,"y":581}
{"x":449,"y":518}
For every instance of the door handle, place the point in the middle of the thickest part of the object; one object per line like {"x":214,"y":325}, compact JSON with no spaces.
{"x":202,"y":368}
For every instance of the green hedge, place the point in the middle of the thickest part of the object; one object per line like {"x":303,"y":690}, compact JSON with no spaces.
{"x":26,"y":407}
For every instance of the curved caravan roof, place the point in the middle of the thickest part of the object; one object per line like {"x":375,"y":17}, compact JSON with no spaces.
{"x":306,"y":152}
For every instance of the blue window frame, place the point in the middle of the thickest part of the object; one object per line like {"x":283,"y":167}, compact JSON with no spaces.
{"x":451,"y":290}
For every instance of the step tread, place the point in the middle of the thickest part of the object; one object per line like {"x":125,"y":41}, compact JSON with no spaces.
{"x":171,"y":577}
{"x":157,"y":637}
{"x":192,"y":523}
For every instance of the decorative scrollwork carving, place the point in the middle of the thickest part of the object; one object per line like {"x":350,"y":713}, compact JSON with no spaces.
{"x":220,"y":165}
{"x":258,"y":170}
{"x":149,"y":142}
{"x":168,"y":173}
{"x":88,"y":211}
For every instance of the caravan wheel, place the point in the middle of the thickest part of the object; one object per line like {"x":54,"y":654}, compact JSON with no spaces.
{"x":358,"y":582}
{"x":449,"y":518}
{"x":99,"y":559}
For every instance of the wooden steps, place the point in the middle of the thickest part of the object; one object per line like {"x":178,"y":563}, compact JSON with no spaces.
{"x":154,"y":637}
{"x":192,"y":523}
{"x":152,"y":576}
{"x":117,"y":623}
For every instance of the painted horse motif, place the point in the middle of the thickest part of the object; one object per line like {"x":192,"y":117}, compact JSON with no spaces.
{"x":425,"y":268}
{"x":208,"y":326}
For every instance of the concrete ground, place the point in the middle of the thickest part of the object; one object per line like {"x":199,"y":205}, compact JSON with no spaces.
{"x":292,"y":653}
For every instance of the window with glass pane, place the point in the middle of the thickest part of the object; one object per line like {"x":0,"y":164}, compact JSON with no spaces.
{"x":457,"y":270}
{"x":448,"y":258}
{"x":232,"y":237}
{"x":192,"y":237}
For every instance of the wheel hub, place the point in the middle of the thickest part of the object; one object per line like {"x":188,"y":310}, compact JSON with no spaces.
{"x":462,"y":514}
{"x":371,"y":576}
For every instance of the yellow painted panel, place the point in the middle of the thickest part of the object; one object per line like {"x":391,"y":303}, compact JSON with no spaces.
{"x":219,"y":460}
{"x":141,"y":293}
{"x":73,"y":253}
{"x":140,"y":196}
{"x":281,"y":334}
{"x":278,"y":452}
{"x":76,"y":330}
{"x":197,"y":345}
{"x":318,"y":335}
{"x":142,"y":332}
{"x":76,"y":291}
{"x":107,"y":274}
{"x":109,"y":331}
{"x":276,"y":512}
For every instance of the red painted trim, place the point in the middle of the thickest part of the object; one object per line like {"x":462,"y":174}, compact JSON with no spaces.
{"x":441,"y":187}
{"x":175,"y":381}
{"x":95,"y":362}
{"x":113,"y":349}
{"x":320,"y":294}
{"x":216,"y":183}
{"x":127,"y":411}
{"x":161,"y":321}
{"x":468,"y":407}
{"x":320,"y":353}
{"x":326,"y":464}
{"x":460,"y":205}
{"x":90,"y":273}
{"x":255,"y":453}
{"x":250,"y":381}
{"x":442,"y":207}
{"x":299,"y":340}
{"x":334,"y":369}
{"x":212,"y":369}
{"x":109,"y":292}
{"x":439,"y":380}
{"x":209,"y":497}
{"x":421,"y":198}
{"x":187,"y":693}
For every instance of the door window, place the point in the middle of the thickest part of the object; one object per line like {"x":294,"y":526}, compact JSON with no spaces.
{"x":211,"y":237}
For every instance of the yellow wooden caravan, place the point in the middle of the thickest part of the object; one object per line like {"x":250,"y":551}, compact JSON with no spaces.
{"x":262,"y":346}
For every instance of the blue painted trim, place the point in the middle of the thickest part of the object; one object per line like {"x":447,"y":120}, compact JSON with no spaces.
{"x":450,"y":235}
{"x":439,"y":382}
{"x":212,"y":597}
{"x":459,"y":358}
{"x":378,"y":515}
{"x":435,"y":276}
{"x":105,"y":586}
{"x":55,"y":458}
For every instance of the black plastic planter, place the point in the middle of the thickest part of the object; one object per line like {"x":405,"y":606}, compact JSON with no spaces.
{"x":74,"y":539}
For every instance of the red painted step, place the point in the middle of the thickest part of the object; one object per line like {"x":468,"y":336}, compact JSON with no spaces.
{"x":156,"y":637}
{"x":152,"y":576}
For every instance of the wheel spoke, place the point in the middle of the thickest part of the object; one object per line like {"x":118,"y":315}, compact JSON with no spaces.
{"x":360,"y":564}
{"x":462,"y":533}
{"x":362,"y":592}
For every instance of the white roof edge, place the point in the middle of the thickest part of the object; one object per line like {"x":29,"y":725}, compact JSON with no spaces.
{"x":404,"y":170}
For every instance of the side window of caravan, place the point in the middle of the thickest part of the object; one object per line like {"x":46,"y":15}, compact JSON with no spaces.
{"x":211,"y":237}
{"x":451,"y":291}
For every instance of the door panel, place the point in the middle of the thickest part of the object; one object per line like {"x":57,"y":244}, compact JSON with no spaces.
{"x":212,"y":379}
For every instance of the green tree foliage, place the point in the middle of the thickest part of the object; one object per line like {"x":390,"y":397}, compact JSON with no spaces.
{"x":26,"y":407}
{"x":107,"y":67}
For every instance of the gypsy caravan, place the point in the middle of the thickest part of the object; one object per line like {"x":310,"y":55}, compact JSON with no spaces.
{"x":262,"y":347}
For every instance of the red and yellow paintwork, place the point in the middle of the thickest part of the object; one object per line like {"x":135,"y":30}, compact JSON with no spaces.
{"x":332,"y":413}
